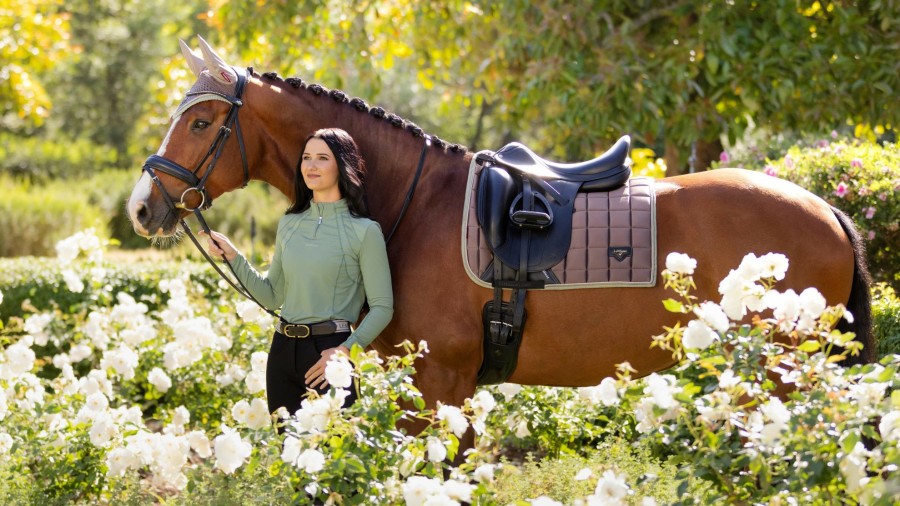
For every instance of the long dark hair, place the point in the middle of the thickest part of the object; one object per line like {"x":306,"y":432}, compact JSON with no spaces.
{"x":351,"y":173}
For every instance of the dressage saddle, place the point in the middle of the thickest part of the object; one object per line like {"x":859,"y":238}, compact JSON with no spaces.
{"x":524,"y":207}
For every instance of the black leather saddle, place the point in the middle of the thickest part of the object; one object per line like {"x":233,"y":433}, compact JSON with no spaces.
{"x":524,"y":205}
{"x":519,"y":191}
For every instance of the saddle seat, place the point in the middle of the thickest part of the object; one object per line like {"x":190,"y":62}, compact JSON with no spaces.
{"x":604,"y":173}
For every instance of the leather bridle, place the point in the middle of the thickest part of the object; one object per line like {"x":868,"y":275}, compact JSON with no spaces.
{"x":197,"y":184}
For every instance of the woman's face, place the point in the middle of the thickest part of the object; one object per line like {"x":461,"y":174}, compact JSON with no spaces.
{"x":320,"y":171}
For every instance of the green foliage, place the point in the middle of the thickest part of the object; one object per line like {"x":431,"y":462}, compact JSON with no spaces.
{"x":33,"y":35}
{"x":40,"y":160}
{"x":863,"y":180}
{"x":101,"y":92}
{"x":569,"y":79}
{"x":33,"y":221}
{"x":33,"y":284}
{"x":556,"y":478}
{"x":35,"y":216}
{"x":711,"y":430}
{"x":886,"y":319}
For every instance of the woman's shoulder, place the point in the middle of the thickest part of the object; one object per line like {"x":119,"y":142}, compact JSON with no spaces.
{"x":364,"y":226}
{"x":289,"y":217}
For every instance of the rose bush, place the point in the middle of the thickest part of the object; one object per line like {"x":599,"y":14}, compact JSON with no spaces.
{"x":127,"y":397}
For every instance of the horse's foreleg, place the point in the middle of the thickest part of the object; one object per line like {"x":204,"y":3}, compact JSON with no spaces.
{"x":448,"y":384}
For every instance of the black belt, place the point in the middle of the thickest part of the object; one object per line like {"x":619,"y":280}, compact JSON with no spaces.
{"x":302,"y":330}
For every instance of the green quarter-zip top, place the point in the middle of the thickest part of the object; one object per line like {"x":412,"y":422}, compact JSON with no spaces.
{"x":326,"y":264}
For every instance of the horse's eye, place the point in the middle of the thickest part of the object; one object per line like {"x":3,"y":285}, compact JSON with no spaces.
{"x":199,"y":124}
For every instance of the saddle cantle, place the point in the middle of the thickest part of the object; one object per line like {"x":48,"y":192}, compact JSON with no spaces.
{"x":524,"y":207}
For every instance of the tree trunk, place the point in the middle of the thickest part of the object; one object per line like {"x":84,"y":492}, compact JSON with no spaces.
{"x":676,"y":161}
{"x":705,"y":153}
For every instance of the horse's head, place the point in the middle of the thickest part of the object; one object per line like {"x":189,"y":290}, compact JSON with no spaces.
{"x":198,"y":159}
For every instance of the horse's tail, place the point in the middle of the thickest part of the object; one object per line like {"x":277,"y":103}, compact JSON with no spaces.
{"x":860,"y":301}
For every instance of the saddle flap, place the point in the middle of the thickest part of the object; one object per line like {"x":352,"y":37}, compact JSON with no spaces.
{"x":496,"y":189}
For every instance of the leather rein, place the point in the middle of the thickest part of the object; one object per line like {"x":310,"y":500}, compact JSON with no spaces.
{"x":197,"y":184}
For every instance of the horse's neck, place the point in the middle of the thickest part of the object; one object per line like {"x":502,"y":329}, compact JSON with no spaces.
{"x":285,"y":117}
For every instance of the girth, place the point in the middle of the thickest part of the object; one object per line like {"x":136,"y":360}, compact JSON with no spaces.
{"x":524,"y":209}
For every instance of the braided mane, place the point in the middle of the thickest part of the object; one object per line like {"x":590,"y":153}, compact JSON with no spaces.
{"x":361,"y":106}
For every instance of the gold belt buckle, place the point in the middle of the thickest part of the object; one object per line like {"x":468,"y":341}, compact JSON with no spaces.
{"x":289,"y":328}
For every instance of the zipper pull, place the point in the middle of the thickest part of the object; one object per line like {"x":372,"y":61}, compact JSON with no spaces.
{"x":318,"y":222}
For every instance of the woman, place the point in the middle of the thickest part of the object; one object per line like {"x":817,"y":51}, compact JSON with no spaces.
{"x":329,"y":259}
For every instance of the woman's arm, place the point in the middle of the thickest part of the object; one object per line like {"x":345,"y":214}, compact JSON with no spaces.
{"x":268,"y":289}
{"x":376,"y":277}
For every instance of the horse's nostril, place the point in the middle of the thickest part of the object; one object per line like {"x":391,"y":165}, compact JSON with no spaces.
{"x":142,"y":213}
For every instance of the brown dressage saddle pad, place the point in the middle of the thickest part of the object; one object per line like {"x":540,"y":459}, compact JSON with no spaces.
{"x":613,"y":239}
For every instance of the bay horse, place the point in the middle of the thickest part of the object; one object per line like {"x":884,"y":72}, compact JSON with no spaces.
{"x":573,"y":337}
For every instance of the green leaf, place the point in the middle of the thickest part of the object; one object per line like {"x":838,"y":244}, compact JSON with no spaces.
{"x":673,"y":306}
{"x":809,"y":346}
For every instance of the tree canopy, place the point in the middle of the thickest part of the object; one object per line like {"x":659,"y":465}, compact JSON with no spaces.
{"x":33,"y":34}
{"x":571,"y":77}
{"x":567,"y":77}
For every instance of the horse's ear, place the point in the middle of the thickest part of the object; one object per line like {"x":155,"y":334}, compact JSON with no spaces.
{"x":195,"y":62}
{"x":218,"y":69}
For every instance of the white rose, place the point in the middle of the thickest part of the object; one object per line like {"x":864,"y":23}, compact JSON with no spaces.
{"x":231,"y":450}
{"x":454,"y":417}
{"x":698,"y":335}
{"x":611,"y":489}
{"x":159,"y":379}
{"x":419,"y":489}
{"x":680,"y":263}
{"x":339,"y":371}
{"x":437,"y":452}
{"x":509,"y":390}
{"x":258,"y":361}
{"x":311,"y":461}
{"x":256,"y":381}
{"x":199,"y":443}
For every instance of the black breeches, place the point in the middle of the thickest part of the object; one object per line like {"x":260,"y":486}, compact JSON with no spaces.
{"x":289,"y":359}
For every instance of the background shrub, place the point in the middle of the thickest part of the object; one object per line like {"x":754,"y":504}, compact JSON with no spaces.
{"x":862,"y":179}
{"x":886,"y":319}
{"x":38,"y":284}
{"x":34,"y":215}
{"x":38,"y":160}
{"x":33,"y":219}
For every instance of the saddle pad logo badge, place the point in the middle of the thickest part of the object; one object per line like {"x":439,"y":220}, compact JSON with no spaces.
{"x":620,"y":253}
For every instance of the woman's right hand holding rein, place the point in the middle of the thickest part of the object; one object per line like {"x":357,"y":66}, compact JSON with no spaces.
{"x":220,"y":245}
